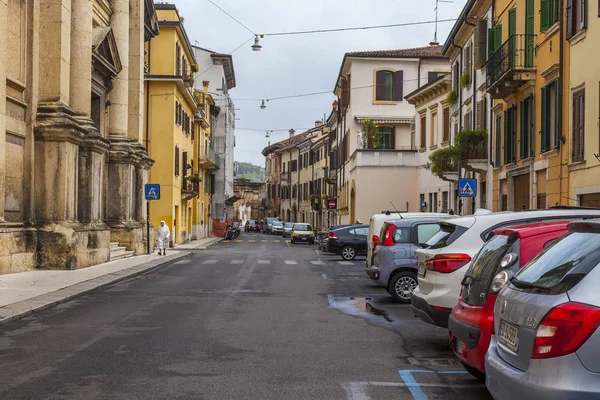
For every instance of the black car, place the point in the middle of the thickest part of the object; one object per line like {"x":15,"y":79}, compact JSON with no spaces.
{"x":348,"y":242}
{"x":252,"y":226}
{"x":323,"y":243}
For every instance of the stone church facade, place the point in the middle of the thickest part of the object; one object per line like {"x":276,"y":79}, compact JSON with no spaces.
{"x":73,"y":162}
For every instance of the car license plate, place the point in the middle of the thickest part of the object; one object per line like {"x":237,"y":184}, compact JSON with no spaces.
{"x":422,"y":270}
{"x":508,"y":335}
{"x":460,"y":346}
{"x":303,"y":238}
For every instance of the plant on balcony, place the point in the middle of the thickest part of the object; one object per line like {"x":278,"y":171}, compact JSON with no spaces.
{"x":445,"y":160}
{"x":324,"y":197}
{"x":194,"y":178}
{"x":452,"y":99}
{"x":370,"y":134}
{"x":198,"y":97}
{"x":195,"y":67}
{"x":472,"y":144}
{"x":323,"y":168}
{"x":465,"y":79}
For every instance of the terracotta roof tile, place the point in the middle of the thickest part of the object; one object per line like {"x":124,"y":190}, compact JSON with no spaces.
{"x":434,"y":51}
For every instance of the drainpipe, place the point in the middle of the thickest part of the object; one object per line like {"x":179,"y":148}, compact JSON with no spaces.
{"x":419,"y":73}
{"x":491,"y":119}
{"x":560,"y":101}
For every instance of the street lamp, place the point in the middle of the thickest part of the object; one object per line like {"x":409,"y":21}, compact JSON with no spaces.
{"x":256,"y":46}
{"x":263,"y":105}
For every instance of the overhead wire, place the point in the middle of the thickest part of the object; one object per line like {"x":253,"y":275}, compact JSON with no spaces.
{"x":232,"y":17}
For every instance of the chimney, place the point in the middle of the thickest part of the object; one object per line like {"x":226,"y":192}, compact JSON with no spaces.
{"x":205,"y":86}
{"x":318,"y":123}
{"x":335,"y":104}
{"x":292,"y":132}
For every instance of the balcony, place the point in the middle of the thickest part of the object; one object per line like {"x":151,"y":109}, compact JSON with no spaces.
{"x":189,"y":188}
{"x":331,"y":176}
{"x":445,"y":162}
{"x":384,"y":158}
{"x":473,"y":147}
{"x":209,"y":159}
{"x":511,"y":66}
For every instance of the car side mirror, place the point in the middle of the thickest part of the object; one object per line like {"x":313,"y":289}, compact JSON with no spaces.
{"x":423,"y":245}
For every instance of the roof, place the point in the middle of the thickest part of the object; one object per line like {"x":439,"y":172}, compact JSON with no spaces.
{"x":227,"y":63}
{"x":539,"y":228}
{"x":286,"y":144}
{"x":427,"y":52}
{"x":458,"y":24}
{"x":428,"y":85}
{"x":176,"y":24}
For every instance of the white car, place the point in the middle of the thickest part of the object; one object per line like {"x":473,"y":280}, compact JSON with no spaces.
{"x":376,"y":223}
{"x":445,"y":257}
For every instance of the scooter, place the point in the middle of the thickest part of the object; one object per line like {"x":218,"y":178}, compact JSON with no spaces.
{"x":232,"y":233}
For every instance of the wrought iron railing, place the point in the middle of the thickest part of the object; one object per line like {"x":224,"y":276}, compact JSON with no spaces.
{"x":516,"y":52}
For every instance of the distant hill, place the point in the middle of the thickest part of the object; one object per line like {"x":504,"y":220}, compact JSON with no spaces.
{"x":254,"y":173}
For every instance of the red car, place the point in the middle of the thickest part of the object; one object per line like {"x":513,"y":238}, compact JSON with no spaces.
{"x":471,"y":323}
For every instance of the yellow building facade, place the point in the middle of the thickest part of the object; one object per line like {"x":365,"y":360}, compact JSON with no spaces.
{"x":583,"y":98}
{"x":527,"y":75}
{"x":178,"y":130}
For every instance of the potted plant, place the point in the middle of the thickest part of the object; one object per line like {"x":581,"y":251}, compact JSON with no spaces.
{"x":195,"y":67}
{"x":370,"y":134}
{"x":195,"y":178}
{"x":324,"y":197}
{"x":472,"y":144}
{"x":452,"y":99}
{"x":465,"y":79}
{"x":445,"y":160}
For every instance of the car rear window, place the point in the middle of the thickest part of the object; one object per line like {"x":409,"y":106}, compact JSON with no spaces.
{"x":561,"y":266}
{"x":447,"y":234}
{"x":483,"y":269}
{"x":302,"y":227}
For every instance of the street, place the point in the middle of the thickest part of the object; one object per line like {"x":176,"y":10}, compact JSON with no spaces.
{"x":256,"y":318}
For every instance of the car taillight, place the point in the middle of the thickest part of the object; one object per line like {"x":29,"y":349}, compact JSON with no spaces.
{"x":564,"y":329}
{"x":388,"y":239}
{"x":375,"y":243}
{"x":332,"y":235}
{"x":447,"y":263}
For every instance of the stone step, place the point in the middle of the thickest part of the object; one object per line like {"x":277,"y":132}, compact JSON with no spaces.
{"x":117,"y":248}
{"x":118,"y":255}
{"x":114,"y":244}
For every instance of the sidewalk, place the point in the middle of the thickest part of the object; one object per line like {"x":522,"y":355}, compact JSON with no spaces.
{"x":24,"y":293}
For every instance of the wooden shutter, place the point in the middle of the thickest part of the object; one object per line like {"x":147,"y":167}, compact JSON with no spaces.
{"x":491,"y":43}
{"x":583,"y":14}
{"x":544,"y":15}
{"x":446,"y":135}
{"x":185,"y":163}
{"x":569,"y":17}
{"x":393,"y":138}
{"x":398,"y":86}
{"x":380,"y":85}
{"x":506,"y":130}
{"x":423,"y":132}
{"x":176,"y":160}
{"x":529,"y":29}
{"x":431,"y":76}
{"x":498,"y":140}
{"x":478,"y":115}
{"x":557,"y":127}
{"x":480,"y":43}
{"x":522,"y":131}
{"x":498,"y":37}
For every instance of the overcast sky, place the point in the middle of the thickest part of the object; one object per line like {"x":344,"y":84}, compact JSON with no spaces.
{"x":290,"y":65}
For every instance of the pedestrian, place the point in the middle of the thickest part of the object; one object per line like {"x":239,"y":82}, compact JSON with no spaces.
{"x":162,"y":236}
{"x":451,"y":212}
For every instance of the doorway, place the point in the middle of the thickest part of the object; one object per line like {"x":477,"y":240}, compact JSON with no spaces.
{"x":521,"y":187}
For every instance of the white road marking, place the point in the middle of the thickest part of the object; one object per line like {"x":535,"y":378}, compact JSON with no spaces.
{"x":264,"y":261}
{"x":183,"y":262}
{"x":237,"y":261}
{"x":291,"y":262}
{"x":358,"y":390}
{"x":210,"y":261}
{"x":317,"y":263}
{"x":345,"y":263}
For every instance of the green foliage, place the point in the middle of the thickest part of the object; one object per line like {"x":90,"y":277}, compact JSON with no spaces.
{"x":254,"y":173}
{"x":472,"y":144}
{"x":445,"y":160}
{"x":370,"y":131}
{"x":324,"y":197}
{"x":452,"y":99}
{"x":465,"y":79}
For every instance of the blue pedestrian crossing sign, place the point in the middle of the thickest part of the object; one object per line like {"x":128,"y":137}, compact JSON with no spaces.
{"x":467,"y":187}
{"x":152,"y":191}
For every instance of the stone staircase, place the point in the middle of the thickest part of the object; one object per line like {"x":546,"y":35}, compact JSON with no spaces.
{"x":117,"y":252}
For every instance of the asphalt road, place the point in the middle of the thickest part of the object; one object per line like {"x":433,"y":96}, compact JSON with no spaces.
{"x":256,"y":318}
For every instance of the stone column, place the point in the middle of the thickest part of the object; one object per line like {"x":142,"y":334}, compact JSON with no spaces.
{"x":136,"y":70}
{"x":91,"y":179}
{"x":119,"y":96}
{"x":121,"y":161}
{"x":81,"y":57}
{"x":3,"y":34}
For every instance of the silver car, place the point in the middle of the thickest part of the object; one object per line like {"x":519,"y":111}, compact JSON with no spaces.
{"x":277,"y":228}
{"x":287,"y":229}
{"x":547,"y":342}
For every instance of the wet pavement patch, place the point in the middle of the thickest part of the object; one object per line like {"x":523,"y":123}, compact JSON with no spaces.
{"x":360,"y":307}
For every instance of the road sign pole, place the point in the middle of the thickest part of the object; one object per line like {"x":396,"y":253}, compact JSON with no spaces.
{"x":148,"y":226}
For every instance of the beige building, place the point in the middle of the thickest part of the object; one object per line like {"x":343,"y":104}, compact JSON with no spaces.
{"x":72,"y":159}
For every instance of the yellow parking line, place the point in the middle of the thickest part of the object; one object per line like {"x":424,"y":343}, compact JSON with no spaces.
{"x":276,"y":241}
{"x":239,"y":241}
{"x":287,"y":242}
{"x":254,"y":235}
{"x":251,"y":241}
{"x":226,"y":241}
{"x":264,"y":241}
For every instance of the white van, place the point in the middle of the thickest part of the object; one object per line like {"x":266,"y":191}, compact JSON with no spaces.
{"x":377,"y":221}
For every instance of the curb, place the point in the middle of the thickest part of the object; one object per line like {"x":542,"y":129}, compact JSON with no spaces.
{"x":25,"y":308}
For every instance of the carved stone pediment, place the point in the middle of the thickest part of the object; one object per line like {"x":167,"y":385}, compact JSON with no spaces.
{"x":105,"y":53}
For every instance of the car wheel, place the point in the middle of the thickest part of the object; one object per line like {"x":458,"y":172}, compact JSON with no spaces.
{"x":348,"y":253}
{"x":312,"y":242}
{"x":477,"y":374}
{"x":402,"y":285}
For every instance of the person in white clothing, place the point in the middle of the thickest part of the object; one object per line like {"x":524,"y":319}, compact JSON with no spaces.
{"x":162,"y":236}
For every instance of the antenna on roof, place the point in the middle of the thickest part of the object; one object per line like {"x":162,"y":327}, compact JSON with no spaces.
{"x":395,"y":209}
{"x":437,"y":2}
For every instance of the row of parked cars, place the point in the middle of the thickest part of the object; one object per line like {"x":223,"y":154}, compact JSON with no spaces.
{"x":516,"y":291}
{"x":297,"y":232}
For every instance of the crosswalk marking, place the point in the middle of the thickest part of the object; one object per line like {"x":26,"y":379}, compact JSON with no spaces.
{"x":264,"y":241}
{"x":317,"y":263}
{"x":276,"y":241}
{"x":209,"y":262}
{"x":237,"y":261}
{"x":291,"y":262}
{"x":264,"y":261}
{"x":345,"y":263}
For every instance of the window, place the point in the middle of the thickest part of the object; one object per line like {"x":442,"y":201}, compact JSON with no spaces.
{"x":445,"y":201}
{"x":426,"y":231}
{"x":578,"y":126}
{"x":430,"y":202}
{"x":360,"y":231}
{"x":575,"y":16}
{"x":185,"y":163}
{"x":177,"y":59}
{"x":422,"y":198}
{"x":468,"y":121}
{"x":401,"y":235}
{"x":509,"y":134}
{"x":184,"y":66}
{"x":433,"y":133}
{"x":498,"y":132}
{"x":435,"y":202}
{"x":432,"y":76}
{"x":177,"y":113}
{"x":467,"y":62}
{"x":388,"y":85}
{"x":526,"y":128}
{"x":456,"y":76}
{"x":446,"y":128}
{"x":423,"y":133}
{"x":548,"y":13}
{"x":176,"y":160}
{"x":383,"y":140}
{"x":549,"y":129}
{"x":494,"y":39}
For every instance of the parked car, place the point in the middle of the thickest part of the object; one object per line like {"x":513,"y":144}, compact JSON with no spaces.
{"x":546,"y":321}
{"x":471,"y":323}
{"x":252,"y":226}
{"x":332,"y":228}
{"x":303,"y":233}
{"x":348,"y":242}
{"x":395,"y":265}
{"x":445,"y":257}
{"x":277,"y":228}
{"x":268,"y":224}
{"x":287,"y":229}
{"x":376,"y":222}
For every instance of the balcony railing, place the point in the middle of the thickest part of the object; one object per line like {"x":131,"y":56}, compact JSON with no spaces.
{"x":510,"y":65}
{"x":209,"y":158}
{"x":189,"y":188}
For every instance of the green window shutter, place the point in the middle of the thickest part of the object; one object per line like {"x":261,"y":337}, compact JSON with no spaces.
{"x":497,"y":37}
{"x":544,"y":15}
{"x":556,"y":107}
{"x":522,"y":132}
{"x":506,"y":129}
{"x":545,"y":134}
{"x":529,"y":29}
{"x":491,"y":42}
{"x":512,"y":22}
{"x":498,"y":139}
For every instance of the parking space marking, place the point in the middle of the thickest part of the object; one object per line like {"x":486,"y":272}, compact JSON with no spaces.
{"x":291,"y":262}
{"x":276,"y":241}
{"x":264,"y":241}
{"x":239,"y":241}
{"x":251,"y":241}
{"x":264,"y":261}
{"x":358,"y":390}
{"x":318,"y":262}
{"x":237,"y":261}
{"x":324,"y":277}
{"x":182,"y":262}
{"x":209,"y":262}
{"x":345,"y":263}
{"x":415,"y":388}
{"x":226,"y":241}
